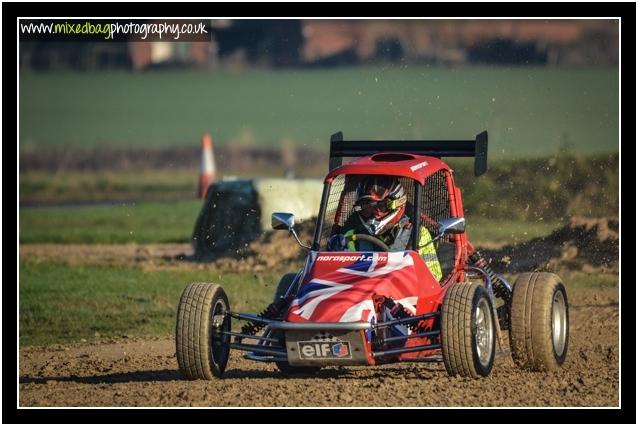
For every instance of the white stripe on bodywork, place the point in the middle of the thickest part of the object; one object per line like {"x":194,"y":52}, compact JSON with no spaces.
{"x":322,"y":294}
{"x":375,"y":260}
{"x":354,"y":312}
{"x":333,"y":288}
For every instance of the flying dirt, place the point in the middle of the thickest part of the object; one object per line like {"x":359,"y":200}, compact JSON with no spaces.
{"x":144,"y":372}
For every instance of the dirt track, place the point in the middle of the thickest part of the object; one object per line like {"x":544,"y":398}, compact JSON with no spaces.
{"x":134,"y":372}
{"x":144,"y":373}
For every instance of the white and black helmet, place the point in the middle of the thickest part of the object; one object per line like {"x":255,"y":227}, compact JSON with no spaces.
{"x":380,"y":202}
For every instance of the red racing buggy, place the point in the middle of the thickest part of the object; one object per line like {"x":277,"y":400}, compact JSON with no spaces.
{"x":375,"y":307}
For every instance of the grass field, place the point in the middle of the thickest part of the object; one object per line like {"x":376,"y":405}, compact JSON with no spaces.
{"x":159,"y":222}
{"x":61,"y":303}
{"x":66,"y":303}
{"x":41,"y":187}
{"x":528,"y":111}
{"x":173,"y":222}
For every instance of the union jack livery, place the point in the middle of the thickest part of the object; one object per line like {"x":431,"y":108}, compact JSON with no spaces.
{"x":335,"y":292}
{"x":433,"y":298}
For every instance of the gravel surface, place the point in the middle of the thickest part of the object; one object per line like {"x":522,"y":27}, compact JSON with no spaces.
{"x":143,"y":372}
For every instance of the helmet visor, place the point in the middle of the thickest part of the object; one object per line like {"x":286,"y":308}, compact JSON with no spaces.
{"x":369,"y":209}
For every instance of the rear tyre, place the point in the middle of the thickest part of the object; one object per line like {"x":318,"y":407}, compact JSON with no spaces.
{"x":539,"y":331}
{"x":468,"y":334}
{"x":202,"y":350}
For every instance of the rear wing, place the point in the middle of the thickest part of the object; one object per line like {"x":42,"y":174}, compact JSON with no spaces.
{"x":476,"y":148}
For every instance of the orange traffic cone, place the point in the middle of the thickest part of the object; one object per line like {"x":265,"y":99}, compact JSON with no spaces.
{"x":207,"y":173}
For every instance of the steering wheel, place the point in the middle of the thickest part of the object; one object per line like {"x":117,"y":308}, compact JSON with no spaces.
{"x":372,"y":240}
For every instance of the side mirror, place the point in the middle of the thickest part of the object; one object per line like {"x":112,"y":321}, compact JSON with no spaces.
{"x":452,"y":225}
{"x":286,"y":221}
{"x":283,"y":221}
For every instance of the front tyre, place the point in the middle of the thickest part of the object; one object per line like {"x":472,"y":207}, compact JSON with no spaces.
{"x":539,"y":332}
{"x":468,"y":334}
{"x":202,"y":349}
{"x":283,"y":285}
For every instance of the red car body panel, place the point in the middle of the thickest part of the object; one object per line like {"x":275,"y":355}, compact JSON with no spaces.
{"x":341,"y":286}
{"x":417,"y":167}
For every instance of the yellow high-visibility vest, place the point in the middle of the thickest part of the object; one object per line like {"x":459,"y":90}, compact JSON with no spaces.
{"x":428,"y":253}
{"x":350,"y":242}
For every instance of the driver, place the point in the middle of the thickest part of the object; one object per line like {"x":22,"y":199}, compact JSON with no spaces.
{"x":380,"y":212}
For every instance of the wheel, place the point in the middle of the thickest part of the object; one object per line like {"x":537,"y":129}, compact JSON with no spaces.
{"x":202,"y":350}
{"x":468,"y":335}
{"x":539,"y":329}
{"x":283,"y":285}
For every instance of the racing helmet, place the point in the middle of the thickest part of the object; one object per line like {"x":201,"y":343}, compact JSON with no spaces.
{"x":380,"y":203}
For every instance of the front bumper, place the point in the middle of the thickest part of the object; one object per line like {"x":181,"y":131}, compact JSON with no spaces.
{"x":329,"y":343}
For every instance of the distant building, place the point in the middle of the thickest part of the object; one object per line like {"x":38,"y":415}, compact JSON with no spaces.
{"x":332,"y":42}
{"x":562,"y":42}
{"x":146,"y":55}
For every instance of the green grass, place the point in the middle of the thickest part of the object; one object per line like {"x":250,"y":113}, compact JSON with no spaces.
{"x":148,"y":185}
{"x":482,"y":230}
{"x":533,"y":191}
{"x":576,"y":279}
{"x":173,"y":222}
{"x":41,"y":187}
{"x":536,"y":190}
{"x":528,"y":111}
{"x":61,"y":303}
{"x":161,"y":222}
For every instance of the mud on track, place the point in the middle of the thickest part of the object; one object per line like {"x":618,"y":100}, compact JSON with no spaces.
{"x":136,"y":372}
{"x":143,"y":372}
{"x":587,"y":245}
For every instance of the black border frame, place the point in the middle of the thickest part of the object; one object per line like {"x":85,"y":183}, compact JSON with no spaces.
{"x":627,"y":414}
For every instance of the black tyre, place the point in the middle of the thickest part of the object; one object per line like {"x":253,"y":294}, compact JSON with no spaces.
{"x":202,"y":351}
{"x":283,"y":285}
{"x":468,"y":331}
{"x":539,"y":331}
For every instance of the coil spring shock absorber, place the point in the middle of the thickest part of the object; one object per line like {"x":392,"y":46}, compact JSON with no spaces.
{"x":273,"y":311}
{"x":397,"y":311}
{"x":500,"y":290}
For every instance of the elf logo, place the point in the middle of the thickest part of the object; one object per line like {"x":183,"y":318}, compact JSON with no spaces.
{"x":324,"y":350}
